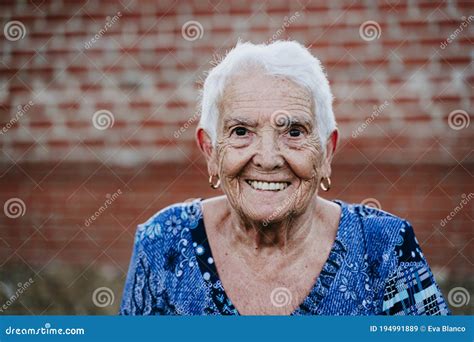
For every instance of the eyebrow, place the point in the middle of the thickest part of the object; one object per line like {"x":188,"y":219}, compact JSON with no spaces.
{"x":302,"y":121}
{"x":240,"y":121}
{"x":235,"y":121}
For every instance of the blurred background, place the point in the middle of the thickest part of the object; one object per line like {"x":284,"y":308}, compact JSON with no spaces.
{"x":98,"y":111}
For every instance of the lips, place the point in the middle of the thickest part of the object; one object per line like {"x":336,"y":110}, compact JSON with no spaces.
{"x":267,"y":186}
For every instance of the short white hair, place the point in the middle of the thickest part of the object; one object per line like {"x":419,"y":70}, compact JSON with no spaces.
{"x":287,"y":59}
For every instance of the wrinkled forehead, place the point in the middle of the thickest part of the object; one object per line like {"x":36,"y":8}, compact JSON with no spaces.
{"x":255,"y":95}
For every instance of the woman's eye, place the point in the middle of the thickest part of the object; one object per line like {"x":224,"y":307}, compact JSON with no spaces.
{"x":295,"y":132}
{"x":240,"y":131}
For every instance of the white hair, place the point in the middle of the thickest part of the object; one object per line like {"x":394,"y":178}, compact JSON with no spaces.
{"x":288,"y":59}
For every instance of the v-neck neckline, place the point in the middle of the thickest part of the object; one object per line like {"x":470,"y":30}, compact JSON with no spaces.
{"x":203,"y":253}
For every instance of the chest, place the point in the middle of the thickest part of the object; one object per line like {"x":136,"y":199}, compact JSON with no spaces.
{"x":275,"y":286}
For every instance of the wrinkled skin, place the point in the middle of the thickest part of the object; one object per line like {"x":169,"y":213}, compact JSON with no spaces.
{"x":267,"y":132}
{"x":262,"y":240}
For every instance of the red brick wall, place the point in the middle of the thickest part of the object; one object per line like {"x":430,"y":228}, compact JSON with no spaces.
{"x":403,"y":101}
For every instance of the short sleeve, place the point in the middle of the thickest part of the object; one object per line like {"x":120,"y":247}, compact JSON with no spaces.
{"x":410,"y":288}
{"x":144,"y":292}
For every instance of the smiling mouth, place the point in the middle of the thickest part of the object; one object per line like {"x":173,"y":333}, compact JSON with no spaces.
{"x":267,"y":186}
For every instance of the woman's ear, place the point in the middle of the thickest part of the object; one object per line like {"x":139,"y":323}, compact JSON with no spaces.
{"x":204,"y":142}
{"x":205,"y":145}
{"x":331,"y":145}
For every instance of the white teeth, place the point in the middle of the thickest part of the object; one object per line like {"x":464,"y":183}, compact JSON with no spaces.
{"x":271,"y":186}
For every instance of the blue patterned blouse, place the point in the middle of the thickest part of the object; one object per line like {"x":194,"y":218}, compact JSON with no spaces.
{"x":375,"y":267}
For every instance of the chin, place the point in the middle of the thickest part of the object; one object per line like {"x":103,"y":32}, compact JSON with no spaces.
{"x":269,"y":204}
{"x":261,"y":213}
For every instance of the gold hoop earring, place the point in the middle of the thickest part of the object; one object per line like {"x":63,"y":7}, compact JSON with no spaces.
{"x":214,"y":186}
{"x":327,"y":186}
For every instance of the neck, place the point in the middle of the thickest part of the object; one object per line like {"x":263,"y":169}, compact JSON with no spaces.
{"x":291,"y":234}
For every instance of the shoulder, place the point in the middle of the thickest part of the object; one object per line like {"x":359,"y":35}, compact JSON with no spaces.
{"x":378,"y":226}
{"x":169,"y":223}
{"x":158,"y":245}
{"x":386,"y":238}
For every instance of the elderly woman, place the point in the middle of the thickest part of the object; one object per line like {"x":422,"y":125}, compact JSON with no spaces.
{"x":271,"y":245}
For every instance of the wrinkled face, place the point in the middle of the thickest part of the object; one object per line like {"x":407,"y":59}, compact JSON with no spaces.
{"x":268,"y":154}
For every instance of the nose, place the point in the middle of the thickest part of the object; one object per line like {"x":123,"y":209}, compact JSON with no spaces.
{"x":268,"y":156}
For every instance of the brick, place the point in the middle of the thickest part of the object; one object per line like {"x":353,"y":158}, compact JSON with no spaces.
{"x":148,"y":76}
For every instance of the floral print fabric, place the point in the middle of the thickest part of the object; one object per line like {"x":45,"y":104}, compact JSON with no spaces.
{"x":375,"y":267}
